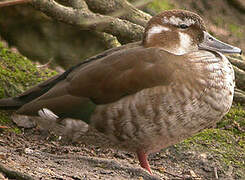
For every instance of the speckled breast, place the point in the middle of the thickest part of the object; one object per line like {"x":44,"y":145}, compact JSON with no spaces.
{"x":157,"y":117}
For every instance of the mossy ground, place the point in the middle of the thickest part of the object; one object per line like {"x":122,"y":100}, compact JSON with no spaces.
{"x":17,"y":73}
{"x":160,"y":5}
{"x":226,"y":142}
{"x":233,"y":28}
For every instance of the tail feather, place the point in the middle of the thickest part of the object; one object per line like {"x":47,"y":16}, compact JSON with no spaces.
{"x":10,"y":104}
{"x":14,"y":103}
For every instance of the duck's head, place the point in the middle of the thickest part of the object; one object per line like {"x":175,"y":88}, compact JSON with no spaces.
{"x":180,"y":32}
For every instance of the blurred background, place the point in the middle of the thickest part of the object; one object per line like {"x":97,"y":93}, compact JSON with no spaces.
{"x":42,"y":39}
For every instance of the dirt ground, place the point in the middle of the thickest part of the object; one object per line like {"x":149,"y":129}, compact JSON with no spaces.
{"x":30,"y":155}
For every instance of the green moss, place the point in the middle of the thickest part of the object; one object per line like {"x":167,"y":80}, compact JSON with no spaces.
{"x":4,"y":118}
{"x":160,"y":5}
{"x":234,"y":121}
{"x":219,"y":21}
{"x":226,"y":142}
{"x":220,"y":142}
{"x":16,"y":130}
{"x":6,"y":121}
{"x":17,"y":74}
{"x":235,"y":30}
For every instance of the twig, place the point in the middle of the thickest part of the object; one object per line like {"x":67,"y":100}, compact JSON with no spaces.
{"x":45,"y":65}
{"x":216,"y":173}
{"x":13,"y":2}
{"x":229,"y":172}
{"x":174,"y":175}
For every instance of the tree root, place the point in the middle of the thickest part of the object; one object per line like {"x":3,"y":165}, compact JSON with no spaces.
{"x":239,"y":96}
{"x":125,"y":31}
{"x":12,"y":174}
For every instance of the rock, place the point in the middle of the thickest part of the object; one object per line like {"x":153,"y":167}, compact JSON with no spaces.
{"x":23,"y":121}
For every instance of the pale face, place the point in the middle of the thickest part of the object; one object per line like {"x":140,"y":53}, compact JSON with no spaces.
{"x":176,"y":33}
{"x":181,"y":32}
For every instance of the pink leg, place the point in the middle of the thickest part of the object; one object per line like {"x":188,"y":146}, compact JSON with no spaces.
{"x":3,"y":127}
{"x":142,"y":156}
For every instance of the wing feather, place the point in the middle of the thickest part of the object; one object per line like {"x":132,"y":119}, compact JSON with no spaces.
{"x":106,"y":80}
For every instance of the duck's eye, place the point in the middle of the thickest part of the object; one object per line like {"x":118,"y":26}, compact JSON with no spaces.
{"x":183,"y":26}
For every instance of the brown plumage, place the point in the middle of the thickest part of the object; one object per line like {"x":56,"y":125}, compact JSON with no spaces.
{"x":147,"y":95}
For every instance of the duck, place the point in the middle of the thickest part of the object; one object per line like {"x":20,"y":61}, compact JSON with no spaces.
{"x":144,"y":96}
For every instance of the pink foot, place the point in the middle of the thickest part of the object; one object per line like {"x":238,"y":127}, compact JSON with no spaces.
{"x":3,"y":127}
{"x":142,"y":156}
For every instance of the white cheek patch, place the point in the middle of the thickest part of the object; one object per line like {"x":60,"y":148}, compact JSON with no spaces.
{"x":185,"y":44}
{"x":185,"y":40}
{"x":177,"y":21}
{"x":156,"y":30}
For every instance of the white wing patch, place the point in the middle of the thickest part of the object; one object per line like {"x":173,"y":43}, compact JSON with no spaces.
{"x":177,"y":21}
{"x":156,"y":30}
{"x":47,"y":114}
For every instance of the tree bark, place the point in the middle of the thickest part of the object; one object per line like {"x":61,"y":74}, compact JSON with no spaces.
{"x":14,"y":174}
{"x":12,"y":3}
{"x":119,"y":8}
{"x":124,"y":30}
{"x":240,"y":78}
{"x":237,"y":62}
{"x":239,"y":96}
{"x":114,"y":20}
